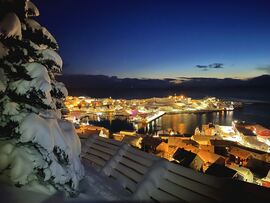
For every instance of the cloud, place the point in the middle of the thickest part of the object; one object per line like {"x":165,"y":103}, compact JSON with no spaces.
{"x":265,"y":69}
{"x":212,"y":65}
{"x":201,"y":66}
{"x":169,"y":79}
{"x":216,"y":65}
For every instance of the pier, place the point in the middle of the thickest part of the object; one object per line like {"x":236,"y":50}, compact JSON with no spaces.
{"x":154,"y":117}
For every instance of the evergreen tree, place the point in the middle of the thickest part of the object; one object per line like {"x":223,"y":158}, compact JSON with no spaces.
{"x":38,"y":149}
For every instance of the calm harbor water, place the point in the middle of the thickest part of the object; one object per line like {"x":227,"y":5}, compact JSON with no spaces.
{"x":252,"y":112}
{"x":258,"y":113}
{"x":256,"y":109}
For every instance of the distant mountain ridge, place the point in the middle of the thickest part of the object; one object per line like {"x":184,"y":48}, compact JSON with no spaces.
{"x":107,"y":82}
{"x":102,"y":81}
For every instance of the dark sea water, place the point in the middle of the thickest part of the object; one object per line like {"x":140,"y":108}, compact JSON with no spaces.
{"x":256,"y":109}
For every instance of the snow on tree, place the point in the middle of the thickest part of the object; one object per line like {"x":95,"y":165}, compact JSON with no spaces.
{"x":11,"y":26}
{"x":39,"y":150}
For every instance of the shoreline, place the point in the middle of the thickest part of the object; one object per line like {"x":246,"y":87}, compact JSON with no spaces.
{"x":197,"y":111}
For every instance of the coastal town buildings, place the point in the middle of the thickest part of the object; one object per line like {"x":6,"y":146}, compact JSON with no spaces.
{"x":239,"y":150}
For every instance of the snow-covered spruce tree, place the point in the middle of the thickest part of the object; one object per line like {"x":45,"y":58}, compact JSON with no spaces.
{"x":38,"y":150}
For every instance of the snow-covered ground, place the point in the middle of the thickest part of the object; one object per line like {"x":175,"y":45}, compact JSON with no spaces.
{"x":98,"y":187}
{"x":94,"y":187}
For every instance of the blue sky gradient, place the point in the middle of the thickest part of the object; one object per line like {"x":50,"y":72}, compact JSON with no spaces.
{"x":160,"y":38}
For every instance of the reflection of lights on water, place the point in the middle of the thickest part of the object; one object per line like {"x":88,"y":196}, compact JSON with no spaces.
{"x":203,"y":118}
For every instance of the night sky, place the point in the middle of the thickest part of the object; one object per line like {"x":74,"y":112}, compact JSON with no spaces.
{"x":161,"y":38}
